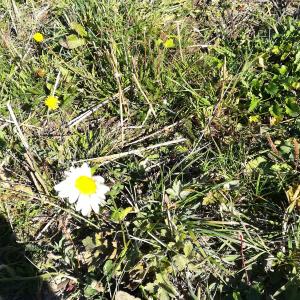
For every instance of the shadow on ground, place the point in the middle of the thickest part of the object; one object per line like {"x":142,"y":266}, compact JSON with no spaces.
{"x":19,"y":278}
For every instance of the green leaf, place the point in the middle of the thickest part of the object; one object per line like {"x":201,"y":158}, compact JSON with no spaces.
{"x":163,"y":294}
{"x":78,"y":28}
{"x":254,"y":103}
{"x":90,"y":292}
{"x":108,"y":267}
{"x":272,"y":88}
{"x":169,"y":43}
{"x":285,"y":149}
{"x":180,"y":261}
{"x":158,"y":42}
{"x":297,"y":58}
{"x":72,"y":41}
{"x":163,"y":281}
{"x":261,"y":62}
{"x":276,"y":50}
{"x":292,"y":108}
{"x":275,"y":110}
{"x":188,"y":248}
{"x":174,"y":192}
{"x":283,"y":69}
{"x":297,"y":61}
{"x":284,"y":56}
{"x":254,"y":164}
{"x":236,"y":296}
{"x":120,"y":214}
{"x":88,"y":243}
{"x":121,"y":295}
{"x":150,"y":287}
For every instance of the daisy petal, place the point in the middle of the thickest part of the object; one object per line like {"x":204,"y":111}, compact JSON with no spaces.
{"x":86,"y":210}
{"x":73,"y":197}
{"x":99,"y":179}
{"x":102,"y":189}
{"x":95,"y":206}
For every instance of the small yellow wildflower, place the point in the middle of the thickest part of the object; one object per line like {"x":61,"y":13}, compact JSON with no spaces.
{"x":52,"y":102}
{"x":38,"y":37}
{"x":254,"y":119}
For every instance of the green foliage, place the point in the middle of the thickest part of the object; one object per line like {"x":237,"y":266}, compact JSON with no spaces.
{"x":271,"y":82}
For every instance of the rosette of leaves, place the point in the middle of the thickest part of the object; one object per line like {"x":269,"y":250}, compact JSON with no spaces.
{"x":271,"y":85}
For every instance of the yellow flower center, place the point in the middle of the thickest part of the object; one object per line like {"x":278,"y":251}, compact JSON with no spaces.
{"x":85,"y":185}
{"x":52,"y":102}
{"x":38,"y":37}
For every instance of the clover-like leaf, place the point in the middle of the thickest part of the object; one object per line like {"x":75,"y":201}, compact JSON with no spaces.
{"x":72,"y":41}
{"x":80,"y":30}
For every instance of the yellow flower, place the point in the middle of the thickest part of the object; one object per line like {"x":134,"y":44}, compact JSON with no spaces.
{"x":254,"y":119}
{"x":38,"y":37}
{"x":52,"y":102}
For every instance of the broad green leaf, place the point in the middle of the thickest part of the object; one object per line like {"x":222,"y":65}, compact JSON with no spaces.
{"x":163,"y":294}
{"x":213,"y":197}
{"x":163,"y":281}
{"x":78,"y":28}
{"x":297,"y":58}
{"x":120,"y":214}
{"x":285,"y":149}
{"x":292,"y":108}
{"x":188,"y":248}
{"x":180,"y":261}
{"x":275,"y":110}
{"x":276,"y":50}
{"x":72,"y":41}
{"x":150,"y":287}
{"x":280,"y":167}
{"x":254,"y":103}
{"x":261,"y":62}
{"x":224,"y":51}
{"x":272,"y":88}
{"x":297,"y":61}
{"x":169,"y":43}
{"x":121,"y":295}
{"x":174,"y":192}
{"x":108,"y":267}
{"x":296,"y":85}
{"x":158,"y":42}
{"x":90,"y":292}
{"x":284,"y":56}
{"x":88,"y":243}
{"x":283,"y":69}
{"x":254,"y":164}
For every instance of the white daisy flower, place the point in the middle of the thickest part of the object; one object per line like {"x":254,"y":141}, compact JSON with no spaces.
{"x":81,"y":187}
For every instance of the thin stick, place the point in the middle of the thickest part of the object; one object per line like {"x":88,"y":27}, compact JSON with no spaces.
{"x":143,"y":93}
{"x":155,"y":133}
{"x":179,"y":40}
{"x":87,"y":113}
{"x":56,"y":83}
{"x":36,"y":175}
{"x":243,"y":258}
{"x":19,"y":131}
{"x":132,"y":152}
{"x":117,"y":74}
